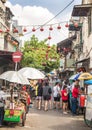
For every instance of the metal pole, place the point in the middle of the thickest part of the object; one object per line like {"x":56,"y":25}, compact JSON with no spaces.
{"x":16,"y":64}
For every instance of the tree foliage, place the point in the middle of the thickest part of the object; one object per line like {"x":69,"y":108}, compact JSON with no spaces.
{"x":39,"y":55}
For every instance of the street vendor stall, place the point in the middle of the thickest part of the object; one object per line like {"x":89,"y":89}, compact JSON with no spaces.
{"x":88,"y":108}
{"x":15,"y":109}
{"x":16,"y":115}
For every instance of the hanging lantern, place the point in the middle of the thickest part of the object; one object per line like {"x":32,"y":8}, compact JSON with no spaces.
{"x":76,"y":24}
{"x":65,"y":49}
{"x":58,"y":48}
{"x":46,"y":56}
{"x":41,"y":29}
{"x":50,"y":28}
{"x":1,"y":30}
{"x":44,"y":64}
{"x":67,"y":25}
{"x":43,"y":49}
{"x":15,"y":30}
{"x":24,"y":30}
{"x":58,"y":27}
{"x":47,"y":51}
{"x":33,"y":30}
{"x":33,"y":48}
{"x":49,"y":37}
{"x":48,"y":46}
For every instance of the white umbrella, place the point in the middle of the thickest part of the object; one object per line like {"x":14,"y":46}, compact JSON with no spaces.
{"x":15,"y":77}
{"x":31,"y":73}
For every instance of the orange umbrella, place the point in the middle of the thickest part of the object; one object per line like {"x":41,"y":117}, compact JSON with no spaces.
{"x":85,"y":75}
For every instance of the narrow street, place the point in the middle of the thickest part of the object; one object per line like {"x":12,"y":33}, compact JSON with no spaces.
{"x":50,"y":120}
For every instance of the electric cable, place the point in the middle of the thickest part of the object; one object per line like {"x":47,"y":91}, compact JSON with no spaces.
{"x":53,"y":17}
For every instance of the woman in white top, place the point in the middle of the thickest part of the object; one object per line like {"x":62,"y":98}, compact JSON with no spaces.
{"x":56,"y":95}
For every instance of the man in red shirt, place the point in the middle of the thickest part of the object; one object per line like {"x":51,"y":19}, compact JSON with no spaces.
{"x":75,"y":93}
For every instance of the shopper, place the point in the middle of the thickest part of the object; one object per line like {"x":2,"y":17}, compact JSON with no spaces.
{"x":39,"y":94}
{"x":64,"y":93}
{"x":56,"y":95}
{"x":75,"y":94}
{"x":46,"y":95}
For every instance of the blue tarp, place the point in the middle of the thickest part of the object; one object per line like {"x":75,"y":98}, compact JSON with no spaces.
{"x":74,"y":77}
{"x":88,"y":81}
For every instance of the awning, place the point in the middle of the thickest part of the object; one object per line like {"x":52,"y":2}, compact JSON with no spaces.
{"x":66,"y":42}
{"x":81,"y":10}
{"x":83,"y":60}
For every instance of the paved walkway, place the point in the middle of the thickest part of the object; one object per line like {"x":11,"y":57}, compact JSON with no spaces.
{"x":54,"y":120}
{"x":50,"y":120}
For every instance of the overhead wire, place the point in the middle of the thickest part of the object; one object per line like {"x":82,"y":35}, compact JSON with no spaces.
{"x":53,"y":17}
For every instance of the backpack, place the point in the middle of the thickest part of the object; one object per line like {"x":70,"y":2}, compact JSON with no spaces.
{"x":49,"y":91}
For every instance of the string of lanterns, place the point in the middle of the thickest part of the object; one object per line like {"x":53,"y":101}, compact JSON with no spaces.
{"x":41,"y":28}
{"x":50,"y":28}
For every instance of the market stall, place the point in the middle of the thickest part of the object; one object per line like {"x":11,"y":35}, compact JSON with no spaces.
{"x":15,"y":109}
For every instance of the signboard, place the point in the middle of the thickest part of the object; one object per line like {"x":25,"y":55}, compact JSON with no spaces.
{"x":16,"y":56}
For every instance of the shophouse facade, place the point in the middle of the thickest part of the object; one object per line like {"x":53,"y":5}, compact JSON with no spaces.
{"x":8,"y":41}
{"x":84,"y":13}
{"x":79,"y":58}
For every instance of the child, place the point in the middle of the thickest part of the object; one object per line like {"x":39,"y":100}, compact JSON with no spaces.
{"x":82,"y":100}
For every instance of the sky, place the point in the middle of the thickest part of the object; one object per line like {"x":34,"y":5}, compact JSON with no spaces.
{"x":34,"y":13}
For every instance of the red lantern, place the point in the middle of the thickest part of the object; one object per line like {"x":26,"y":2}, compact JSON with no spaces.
{"x":66,"y":25}
{"x":50,"y":28}
{"x":65,"y":49}
{"x":48,"y":46}
{"x":46,"y":56}
{"x":24,"y":30}
{"x":76,"y":24}
{"x":44,"y":64}
{"x":33,"y":30}
{"x":49,"y":37}
{"x":58,"y":27}
{"x":41,"y":29}
{"x":58,"y":49}
{"x":15,"y":30}
{"x":1,"y":30}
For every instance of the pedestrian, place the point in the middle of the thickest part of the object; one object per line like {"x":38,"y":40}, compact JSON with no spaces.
{"x":56,"y":95}
{"x":64,"y":94}
{"x":75,"y":94}
{"x":46,"y":95}
{"x":39,"y":94}
{"x":2,"y":104}
{"x":25,"y":98}
{"x":82,"y":98}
